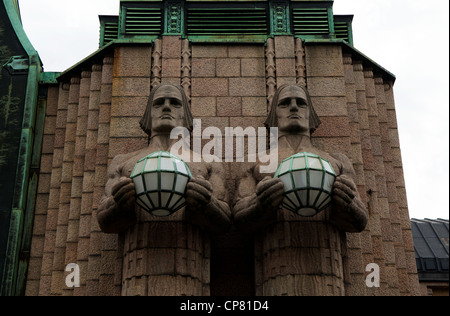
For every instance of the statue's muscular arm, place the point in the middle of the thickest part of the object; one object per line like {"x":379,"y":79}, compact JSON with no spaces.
{"x":116,"y":211}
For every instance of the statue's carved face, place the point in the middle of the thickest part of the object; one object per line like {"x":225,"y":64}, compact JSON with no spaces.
{"x":167,"y":109}
{"x":293,"y":111}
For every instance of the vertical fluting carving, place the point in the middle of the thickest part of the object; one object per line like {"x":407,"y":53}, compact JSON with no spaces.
{"x":157,"y":63}
{"x":270,"y":70}
{"x":300,"y":65}
{"x":186,"y":68}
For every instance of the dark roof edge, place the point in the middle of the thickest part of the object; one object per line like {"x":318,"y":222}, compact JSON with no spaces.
{"x":433,"y":276}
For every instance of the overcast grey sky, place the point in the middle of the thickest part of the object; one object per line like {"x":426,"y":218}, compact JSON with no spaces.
{"x":409,"y":38}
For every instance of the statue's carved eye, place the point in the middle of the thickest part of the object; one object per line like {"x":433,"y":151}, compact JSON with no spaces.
{"x":301,"y":103}
{"x":176,"y":103}
{"x":287,"y":102}
{"x":172,"y":101}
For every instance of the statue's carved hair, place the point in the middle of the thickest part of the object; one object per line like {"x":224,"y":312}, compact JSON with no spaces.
{"x":146,"y":120}
{"x":272,"y":121}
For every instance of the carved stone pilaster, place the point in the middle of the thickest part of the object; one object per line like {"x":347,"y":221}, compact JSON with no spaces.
{"x":157,"y":63}
{"x":270,"y":70}
{"x":300,"y":63}
{"x":186,"y":67}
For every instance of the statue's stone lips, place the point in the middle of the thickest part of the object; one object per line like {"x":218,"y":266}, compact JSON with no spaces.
{"x":167,"y":116}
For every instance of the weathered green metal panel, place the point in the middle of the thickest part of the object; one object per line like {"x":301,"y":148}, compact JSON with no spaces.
{"x":28,"y":221}
{"x":280,"y":18}
{"x":11,"y":257}
{"x":173,"y":18}
{"x":12,"y":91}
{"x":331,"y":22}
{"x":48,"y":77}
{"x":24,"y":68}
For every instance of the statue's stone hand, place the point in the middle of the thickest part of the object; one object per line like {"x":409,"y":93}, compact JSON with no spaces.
{"x":124,"y":194}
{"x":349,"y":212}
{"x":344,"y":191}
{"x":198,"y":192}
{"x":259,"y":210}
{"x":117,"y":212}
{"x":269,"y":193}
{"x":204,"y":209}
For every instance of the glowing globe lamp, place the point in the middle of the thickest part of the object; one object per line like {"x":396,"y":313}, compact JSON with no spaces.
{"x":160,"y":181}
{"x":308,"y":183}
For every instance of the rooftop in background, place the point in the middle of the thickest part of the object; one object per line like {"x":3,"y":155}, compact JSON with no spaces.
{"x":431,"y":241}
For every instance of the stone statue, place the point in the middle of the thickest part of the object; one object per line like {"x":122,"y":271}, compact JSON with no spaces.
{"x":294,"y":247}
{"x":182,"y":234}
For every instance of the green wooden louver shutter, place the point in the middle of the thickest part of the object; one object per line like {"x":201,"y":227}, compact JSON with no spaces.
{"x":310,"y":21}
{"x":343,"y":27}
{"x":143,"y":21}
{"x":109,"y":29}
{"x":226,"y":21}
